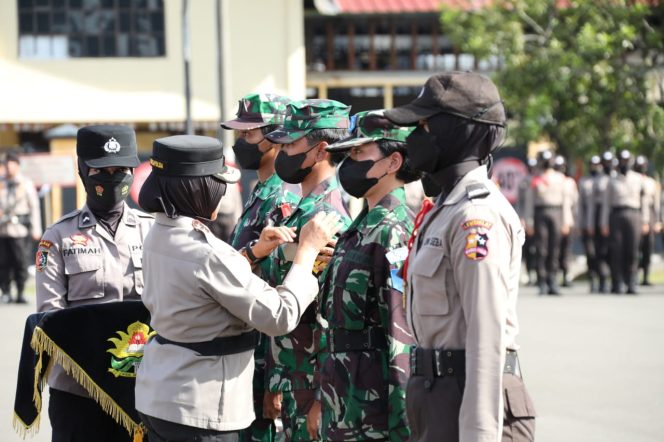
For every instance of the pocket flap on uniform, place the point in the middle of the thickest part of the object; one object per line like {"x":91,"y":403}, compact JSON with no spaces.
{"x":82,"y":263}
{"x":428,"y":261}
{"x":519,"y":402}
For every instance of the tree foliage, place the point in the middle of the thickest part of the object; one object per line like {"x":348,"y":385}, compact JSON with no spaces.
{"x":580,"y":73}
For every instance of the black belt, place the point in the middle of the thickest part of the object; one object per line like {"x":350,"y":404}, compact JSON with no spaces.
{"x":543,"y":206}
{"x":227,"y":345}
{"x":619,"y":208}
{"x":440,"y":363}
{"x":342,"y":340}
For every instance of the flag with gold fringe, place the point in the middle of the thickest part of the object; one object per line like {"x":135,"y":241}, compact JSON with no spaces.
{"x":100,"y":346}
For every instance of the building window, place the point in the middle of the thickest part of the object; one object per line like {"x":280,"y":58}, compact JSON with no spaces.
{"x":55,"y":29}
{"x":383,"y":43}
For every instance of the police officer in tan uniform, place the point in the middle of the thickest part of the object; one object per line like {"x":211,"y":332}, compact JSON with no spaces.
{"x":624,"y":218}
{"x":652,"y":201}
{"x":586,"y":222}
{"x":569,"y":210}
{"x":463,"y":272}
{"x":195,"y":380}
{"x":546,"y":203}
{"x":600,"y":185}
{"x":89,"y":256}
{"x":20,"y":221}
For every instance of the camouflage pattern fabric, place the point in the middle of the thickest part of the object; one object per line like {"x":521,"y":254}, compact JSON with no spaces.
{"x":290,"y":362}
{"x":368,"y":126}
{"x":269,"y":204}
{"x":363,"y":392}
{"x":304,"y":116}
{"x":258,"y":110}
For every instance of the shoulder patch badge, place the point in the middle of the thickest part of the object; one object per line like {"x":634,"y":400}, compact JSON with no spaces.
{"x":41,"y":260}
{"x":46,"y":244}
{"x":477,"y":240}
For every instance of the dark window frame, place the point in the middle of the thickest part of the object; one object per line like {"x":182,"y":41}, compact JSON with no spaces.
{"x":97,"y":25}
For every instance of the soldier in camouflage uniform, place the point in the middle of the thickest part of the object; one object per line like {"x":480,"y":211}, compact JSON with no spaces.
{"x":364,"y":367}
{"x":270,"y":202}
{"x":310,"y":126}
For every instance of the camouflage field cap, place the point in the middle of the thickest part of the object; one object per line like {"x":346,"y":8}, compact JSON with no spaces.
{"x":304,"y":116}
{"x":258,"y":110}
{"x":371,"y":126}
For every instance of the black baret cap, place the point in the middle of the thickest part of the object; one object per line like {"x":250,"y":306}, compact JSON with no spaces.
{"x":464,"y":94}
{"x":191,"y":155}
{"x":107,"y":146}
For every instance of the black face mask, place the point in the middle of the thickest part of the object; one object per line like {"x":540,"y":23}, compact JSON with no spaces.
{"x":353,"y":176}
{"x":594,"y":172}
{"x":623,"y":168}
{"x":248,"y":155}
{"x":607,"y":169}
{"x":422,"y":150}
{"x":289,"y":167}
{"x":430,"y":186}
{"x":107,"y":190}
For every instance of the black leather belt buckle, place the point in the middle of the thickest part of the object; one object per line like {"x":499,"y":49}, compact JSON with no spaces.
{"x":341,"y":340}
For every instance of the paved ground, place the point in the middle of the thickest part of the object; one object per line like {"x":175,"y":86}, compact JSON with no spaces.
{"x":594,"y":365}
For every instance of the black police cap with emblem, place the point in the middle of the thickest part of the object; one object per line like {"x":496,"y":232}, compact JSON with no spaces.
{"x":191,"y":155}
{"x":107,"y":146}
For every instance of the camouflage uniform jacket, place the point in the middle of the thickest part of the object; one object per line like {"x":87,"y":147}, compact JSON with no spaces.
{"x":363,"y":392}
{"x":270,"y":202}
{"x":292,"y":357}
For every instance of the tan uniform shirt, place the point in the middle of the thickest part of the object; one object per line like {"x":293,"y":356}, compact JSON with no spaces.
{"x":78,"y":263}
{"x":463,"y":281}
{"x":586,"y":203}
{"x":199,"y":288}
{"x":17,"y":199}
{"x":652,"y":199}
{"x":546,"y":189}
{"x":570,"y":202}
{"x":624,"y":190}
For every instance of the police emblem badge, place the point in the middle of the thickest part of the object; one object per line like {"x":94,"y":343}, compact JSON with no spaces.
{"x":112,"y":146}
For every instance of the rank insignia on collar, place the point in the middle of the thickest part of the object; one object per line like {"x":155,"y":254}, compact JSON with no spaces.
{"x":78,"y":239}
{"x":197,"y":225}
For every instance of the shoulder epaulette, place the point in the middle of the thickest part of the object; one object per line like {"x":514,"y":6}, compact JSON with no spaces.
{"x":477,"y":190}
{"x":68,"y":216}
{"x":144,"y":214}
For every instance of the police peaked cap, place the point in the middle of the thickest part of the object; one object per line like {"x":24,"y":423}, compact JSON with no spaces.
{"x":190,"y":156}
{"x":107,"y":146}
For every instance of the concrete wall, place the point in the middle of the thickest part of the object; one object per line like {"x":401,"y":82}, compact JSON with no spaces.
{"x":263,"y":51}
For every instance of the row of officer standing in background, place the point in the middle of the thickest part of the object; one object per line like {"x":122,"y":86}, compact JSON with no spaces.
{"x":615,"y":210}
{"x":388,"y":326}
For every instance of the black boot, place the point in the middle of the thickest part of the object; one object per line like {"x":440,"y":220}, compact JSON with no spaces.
{"x":553,"y":287}
{"x":646,"y":279}
{"x":593,"y":285}
{"x":602,"y":284}
{"x":20,"y":299}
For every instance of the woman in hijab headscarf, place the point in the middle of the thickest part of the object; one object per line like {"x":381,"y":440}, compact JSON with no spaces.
{"x":195,"y":380}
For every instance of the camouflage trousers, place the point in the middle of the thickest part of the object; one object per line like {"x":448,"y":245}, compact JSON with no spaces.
{"x":261,"y":429}
{"x":294,"y":408}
